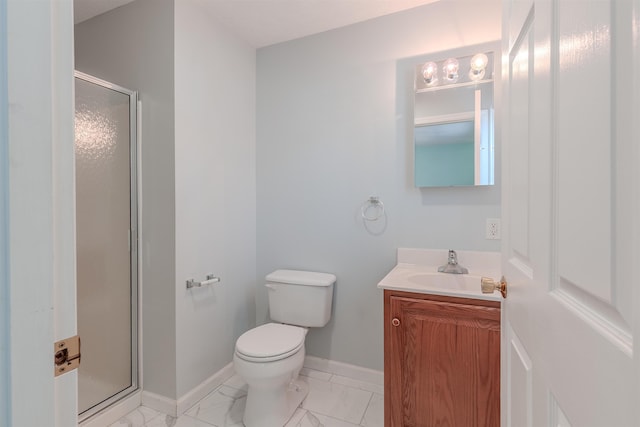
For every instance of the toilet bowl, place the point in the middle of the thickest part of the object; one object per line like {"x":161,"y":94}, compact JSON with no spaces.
{"x":270,"y":357}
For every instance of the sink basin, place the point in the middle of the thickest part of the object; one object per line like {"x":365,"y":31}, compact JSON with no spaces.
{"x":461,"y":282}
{"x":427,"y":280}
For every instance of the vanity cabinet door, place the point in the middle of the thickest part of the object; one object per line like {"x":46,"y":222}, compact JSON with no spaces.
{"x":442,"y":361}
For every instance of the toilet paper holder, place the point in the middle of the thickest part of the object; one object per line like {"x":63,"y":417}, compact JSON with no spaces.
{"x":211,"y":279}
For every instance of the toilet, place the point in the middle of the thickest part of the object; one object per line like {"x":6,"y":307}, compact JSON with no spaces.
{"x":269,"y":357}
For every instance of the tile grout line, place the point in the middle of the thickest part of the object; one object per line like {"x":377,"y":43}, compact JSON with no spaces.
{"x":145,"y":421}
{"x":197,"y":419}
{"x":364,"y":414}
{"x":352,"y":388}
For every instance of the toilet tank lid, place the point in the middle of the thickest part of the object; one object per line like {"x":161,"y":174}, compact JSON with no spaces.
{"x":308,"y":278}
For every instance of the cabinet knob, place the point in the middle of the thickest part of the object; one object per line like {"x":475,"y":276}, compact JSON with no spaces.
{"x":395,"y":321}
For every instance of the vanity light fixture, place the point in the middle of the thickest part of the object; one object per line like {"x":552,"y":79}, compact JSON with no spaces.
{"x":430,"y":73}
{"x":450,"y":69}
{"x":463,"y":70}
{"x":477,"y":66}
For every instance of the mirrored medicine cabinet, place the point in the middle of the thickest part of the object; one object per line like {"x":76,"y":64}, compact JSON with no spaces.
{"x":454,"y":121}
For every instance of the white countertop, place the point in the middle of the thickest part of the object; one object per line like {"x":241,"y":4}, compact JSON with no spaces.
{"x":417,"y":271}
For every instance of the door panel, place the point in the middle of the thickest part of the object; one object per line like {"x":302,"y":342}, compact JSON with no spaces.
{"x":520,"y":384}
{"x":520,"y":76}
{"x":582,"y":57}
{"x":592,"y":212}
{"x":571,"y":149}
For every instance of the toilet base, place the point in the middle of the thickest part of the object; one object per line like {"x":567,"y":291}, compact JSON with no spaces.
{"x":266,"y":408}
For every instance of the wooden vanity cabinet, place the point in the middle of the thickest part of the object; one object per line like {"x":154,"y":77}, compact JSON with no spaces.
{"x":441,"y":361}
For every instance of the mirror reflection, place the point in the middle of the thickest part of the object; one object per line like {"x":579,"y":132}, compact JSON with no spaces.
{"x":454,"y":122}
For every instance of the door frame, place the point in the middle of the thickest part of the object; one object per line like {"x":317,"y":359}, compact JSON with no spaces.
{"x":37,"y":250}
{"x":133,"y":241}
{"x":4,"y":224}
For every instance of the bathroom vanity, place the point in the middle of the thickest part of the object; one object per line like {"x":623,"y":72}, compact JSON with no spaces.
{"x":441,"y":347}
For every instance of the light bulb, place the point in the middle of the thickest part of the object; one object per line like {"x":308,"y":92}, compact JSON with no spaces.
{"x":477,"y":66}
{"x":430,"y":73}
{"x":450,"y":69}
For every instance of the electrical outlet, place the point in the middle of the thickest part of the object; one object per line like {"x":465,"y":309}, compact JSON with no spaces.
{"x":493,"y":229}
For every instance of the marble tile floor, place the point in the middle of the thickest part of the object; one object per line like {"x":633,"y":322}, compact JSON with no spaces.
{"x":333,"y":401}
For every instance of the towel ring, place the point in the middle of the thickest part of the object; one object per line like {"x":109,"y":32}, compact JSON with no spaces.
{"x":375,"y":204}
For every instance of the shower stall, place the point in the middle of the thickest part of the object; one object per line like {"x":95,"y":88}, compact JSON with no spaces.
{"x":106,"y":241}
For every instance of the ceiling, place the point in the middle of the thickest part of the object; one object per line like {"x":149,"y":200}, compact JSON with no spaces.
{"x":266,"y":22}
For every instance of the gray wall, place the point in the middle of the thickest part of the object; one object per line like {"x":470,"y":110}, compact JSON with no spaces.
{"x":215,"y":191}
{"x":133,"y":46}
{"x":334,"y":120}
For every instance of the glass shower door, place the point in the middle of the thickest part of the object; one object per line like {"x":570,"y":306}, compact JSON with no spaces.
{"x":106,"y":218}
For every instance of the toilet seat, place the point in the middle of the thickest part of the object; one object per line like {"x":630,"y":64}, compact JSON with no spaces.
{"x":270,"y":342}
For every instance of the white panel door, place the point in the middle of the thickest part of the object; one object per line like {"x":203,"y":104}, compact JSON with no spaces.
{"x":572,"y":213}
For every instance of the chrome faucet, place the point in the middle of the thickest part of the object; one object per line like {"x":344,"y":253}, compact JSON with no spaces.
{"x":452,"y":265}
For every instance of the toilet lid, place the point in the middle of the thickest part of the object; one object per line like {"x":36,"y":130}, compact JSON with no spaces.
{"x":269,"y":342}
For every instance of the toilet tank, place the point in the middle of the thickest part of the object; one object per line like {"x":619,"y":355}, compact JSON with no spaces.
{"x":301,"y":298}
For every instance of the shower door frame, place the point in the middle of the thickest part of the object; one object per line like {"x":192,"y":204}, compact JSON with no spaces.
{"x":133,"y":243}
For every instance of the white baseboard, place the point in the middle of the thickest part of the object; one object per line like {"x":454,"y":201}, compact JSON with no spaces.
{"x":160,"y":403}
{"x":344,"y":369}
{"x":207,"y":386}
{"x":176,"y":408}
{"x":114,"y":412}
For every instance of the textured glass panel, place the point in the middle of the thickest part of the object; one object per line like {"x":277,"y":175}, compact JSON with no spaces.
{"x":103,"y":261}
